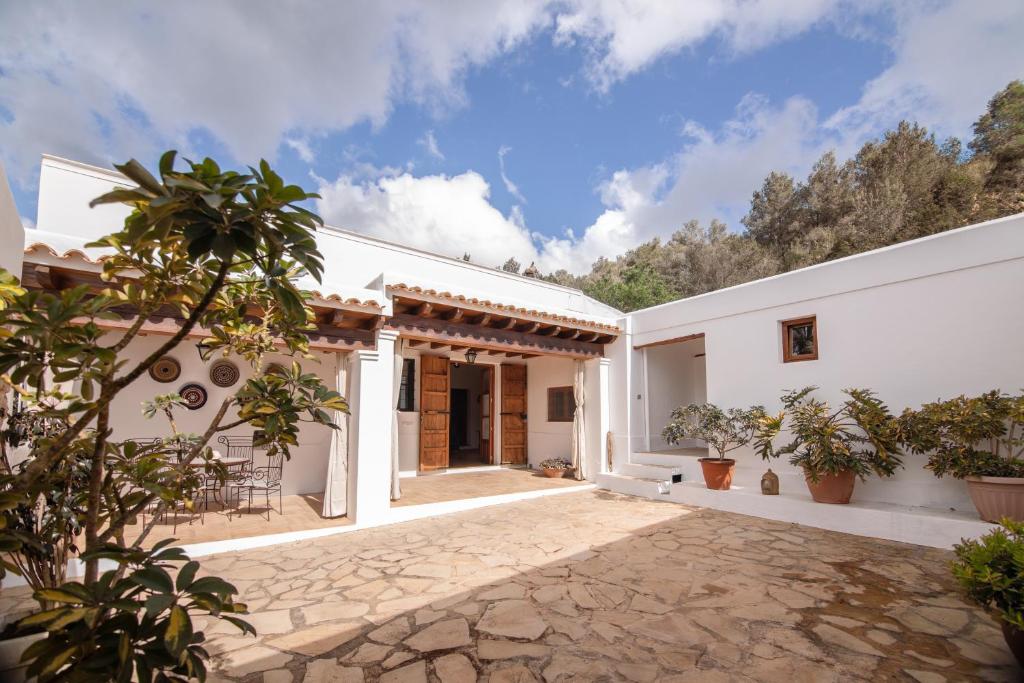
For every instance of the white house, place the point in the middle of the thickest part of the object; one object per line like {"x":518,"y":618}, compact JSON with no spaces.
{"x":483,"y":364}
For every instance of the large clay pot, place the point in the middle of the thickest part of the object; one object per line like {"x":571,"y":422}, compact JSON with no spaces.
{"x":1014,"y":638}
{"x":11,"y":668}
{"x":718,"y":473}
{"x":554,"y":472}
{"x":832,"y":488}
{"x":997,"y":497}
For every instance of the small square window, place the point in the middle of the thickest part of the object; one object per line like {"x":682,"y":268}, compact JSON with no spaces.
{"x":561,"y":404}
{"x":800,"y":339}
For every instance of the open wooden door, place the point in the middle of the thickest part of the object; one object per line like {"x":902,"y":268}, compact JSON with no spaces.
{"x":513,"y":414}
{"x":434,"y":412}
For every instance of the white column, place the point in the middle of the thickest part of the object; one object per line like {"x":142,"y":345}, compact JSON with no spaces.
{"x":604,"y":395}
{"x":370,"y":459}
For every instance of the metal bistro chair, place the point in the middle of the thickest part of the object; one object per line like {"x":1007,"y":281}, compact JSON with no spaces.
{"x":175,"y":508}
{"x":264,"y":480}
{"x":234,"y":447}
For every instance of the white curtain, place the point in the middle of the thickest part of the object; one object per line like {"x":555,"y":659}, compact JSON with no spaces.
{"x":396,"y":486}
{"x":579,"y":430}
{"x":336,"y":487}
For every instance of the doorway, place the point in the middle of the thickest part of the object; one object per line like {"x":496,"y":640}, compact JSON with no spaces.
{"x":469,"y":441}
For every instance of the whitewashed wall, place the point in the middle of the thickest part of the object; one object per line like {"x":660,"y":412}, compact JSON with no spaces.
{"x":918,"y":321}
{"x":11,"y":230}
{"x":350,"y":259}
{"x":304,"y":473}
{"x":546,"y":439}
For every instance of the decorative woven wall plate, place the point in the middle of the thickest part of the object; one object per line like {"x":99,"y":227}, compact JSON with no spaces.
{"x":166,"y":369}
{"x":193,"y":394}
{"x":224,"y":373}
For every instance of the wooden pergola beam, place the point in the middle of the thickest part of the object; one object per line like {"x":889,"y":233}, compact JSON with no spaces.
{"x":489,"y":339}
{"x":454,"y":316}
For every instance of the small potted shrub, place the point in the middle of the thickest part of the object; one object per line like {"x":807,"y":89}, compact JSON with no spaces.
{"x":978,"y":439}
{"x":991,"y":572}
{"x":722,"y":430}
{"x":556,"y":467}
{"x":835,"y":447}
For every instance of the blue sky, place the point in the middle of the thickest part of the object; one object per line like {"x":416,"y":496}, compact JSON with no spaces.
{"x":555,"y":132}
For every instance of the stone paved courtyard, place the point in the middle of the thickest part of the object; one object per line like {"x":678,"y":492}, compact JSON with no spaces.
{"x":595,"y":586}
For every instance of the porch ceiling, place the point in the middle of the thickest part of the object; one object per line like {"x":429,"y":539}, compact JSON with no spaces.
{"x":445,"y":320}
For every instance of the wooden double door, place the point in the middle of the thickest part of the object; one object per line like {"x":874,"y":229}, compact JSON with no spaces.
{"x":435,"y":414}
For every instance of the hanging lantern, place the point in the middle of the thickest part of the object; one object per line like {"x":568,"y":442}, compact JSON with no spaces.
{"x":471,"y":356}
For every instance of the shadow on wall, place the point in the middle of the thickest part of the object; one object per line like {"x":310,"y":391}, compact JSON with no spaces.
{"x":603,"y":586}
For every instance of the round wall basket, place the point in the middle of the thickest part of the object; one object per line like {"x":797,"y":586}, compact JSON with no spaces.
{"x":166,"y":369}
{"x":224,"y":373}
{"x":193,"y":394}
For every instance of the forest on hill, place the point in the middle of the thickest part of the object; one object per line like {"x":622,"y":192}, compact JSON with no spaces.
{"x":899,"y":187}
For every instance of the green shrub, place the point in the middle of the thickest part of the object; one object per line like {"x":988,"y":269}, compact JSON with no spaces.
{"x":969,"y":436}
{"x":722,"y":430}
{"x":861,"y":436}
{"x":991,"y":571}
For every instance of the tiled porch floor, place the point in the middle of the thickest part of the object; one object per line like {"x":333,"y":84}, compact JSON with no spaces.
{"x":302,"y":512}
{"x":439,"y":488}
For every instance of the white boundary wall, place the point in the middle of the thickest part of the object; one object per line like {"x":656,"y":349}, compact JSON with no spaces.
{"x":918,"y":321}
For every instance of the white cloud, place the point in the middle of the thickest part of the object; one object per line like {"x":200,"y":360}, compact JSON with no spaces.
{"x":512,"y":188}
{"x":626,"y":36}
{"x":101,"y":81}
{"x":429,"y":143}
{"x":302,"y":148}
{"x":28,"y":223}
{"x":947,"y":63}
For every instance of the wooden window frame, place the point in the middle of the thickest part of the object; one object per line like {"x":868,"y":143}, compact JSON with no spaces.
{"x":551,"y":404}
{"x":407,"y":390}
{"x":787,"y":356}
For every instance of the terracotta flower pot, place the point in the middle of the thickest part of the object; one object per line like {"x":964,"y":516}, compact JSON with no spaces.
{"x":1014,"y":638}
{"x":997,"y":497}
{"x":554,"y":473}
{"x":718,"y":473}
{"x":11,"y":668}
{"x":832,"y":488}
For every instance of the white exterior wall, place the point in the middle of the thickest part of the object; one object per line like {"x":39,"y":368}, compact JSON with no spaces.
{"x":304,"y":473}
{"x":11,"y":230}
{"x":915,"y":322}
{"x":546,"y":439}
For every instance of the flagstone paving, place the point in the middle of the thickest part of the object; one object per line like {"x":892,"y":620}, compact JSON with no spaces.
{"x":597,"y":586}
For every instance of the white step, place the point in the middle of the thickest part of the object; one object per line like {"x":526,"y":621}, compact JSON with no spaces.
{"x":683,"y":457}
{"x":657,"y":472}
{"x":632,"y":486}
{"x":923,"y":526}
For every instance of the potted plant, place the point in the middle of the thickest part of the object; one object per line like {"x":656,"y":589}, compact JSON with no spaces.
{"x":835,"y":447}
{"x":556,"y":467}
{"x":722,"y":430}
{"x":991,"y":572}
{"x":979,"y":439}
{"x":207,"y":247}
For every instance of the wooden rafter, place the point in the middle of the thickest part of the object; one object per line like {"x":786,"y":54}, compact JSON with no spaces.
{"x":485,"y":338}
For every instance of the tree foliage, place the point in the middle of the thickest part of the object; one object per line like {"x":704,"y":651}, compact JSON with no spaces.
{"x":902,"y":186}
{"x":222,"y":251}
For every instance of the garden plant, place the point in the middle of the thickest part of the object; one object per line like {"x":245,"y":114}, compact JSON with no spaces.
{"x":221,"y":252}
